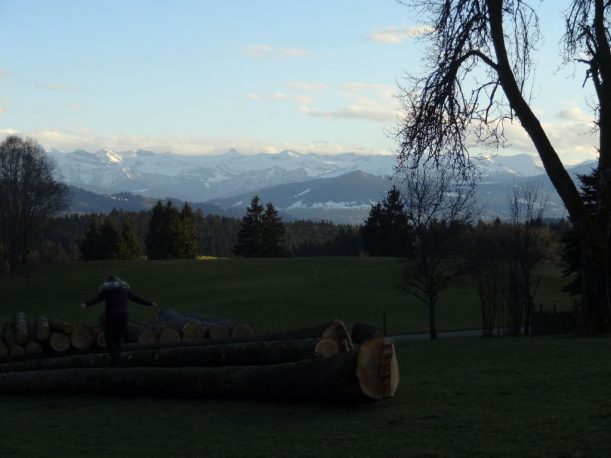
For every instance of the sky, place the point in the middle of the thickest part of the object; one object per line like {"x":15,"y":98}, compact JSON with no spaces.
{"x":201,"y":77}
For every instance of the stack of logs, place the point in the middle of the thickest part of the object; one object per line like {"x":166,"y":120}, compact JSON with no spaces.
{"x":319,"y":363}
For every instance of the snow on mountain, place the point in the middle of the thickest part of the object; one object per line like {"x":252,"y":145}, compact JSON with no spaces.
{"x":355,"y":180}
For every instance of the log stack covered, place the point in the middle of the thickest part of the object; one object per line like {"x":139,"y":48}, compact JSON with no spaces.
{"x":318,"y":363}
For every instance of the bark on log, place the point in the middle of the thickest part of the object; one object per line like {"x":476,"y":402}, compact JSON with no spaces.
{"x":60,"y":326}
{"x":82,"y":338}
{"x":20,"y":321}
{"x":33,"y":348}
{"x":369,"y":373}
{"x":194,"y":331}
{"x":362,"y":332}
{"x":59,"y":342}
{"x":252,"y":353}
{"x":217,"y":326}
{"x":218,"y":331}
{"x":43,"y":330}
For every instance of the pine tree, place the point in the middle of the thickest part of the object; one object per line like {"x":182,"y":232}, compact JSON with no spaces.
{"x":188,"y":233}
{"x":273,"y":233}
{"x":249,"y":236}
{"x":130,"y":245}
{"x":155,"y":239}
{"x":89,"y":245}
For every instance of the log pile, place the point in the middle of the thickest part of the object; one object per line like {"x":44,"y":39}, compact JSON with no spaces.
{"x":174,"y":356}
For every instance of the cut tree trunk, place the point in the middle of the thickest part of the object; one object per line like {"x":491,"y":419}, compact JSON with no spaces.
{"x":169,"y":336}
{"x":59,"y":342}
{"x":82,"y":338}
{"x":20,"y":321}
{"x":218,"y":327}
{"x":369,"y":373}
{"x":194,"y":331}
{"x":251,"y":354}
{"x":60,"y":326}
{"x":16,"y":350}
{"x":335,"y":330}
{"x":148,"y":337}
{"x":100,"y":337}
{"x":43,"y":330}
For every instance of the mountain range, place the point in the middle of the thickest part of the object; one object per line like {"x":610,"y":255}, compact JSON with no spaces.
{"x":339,"y":188}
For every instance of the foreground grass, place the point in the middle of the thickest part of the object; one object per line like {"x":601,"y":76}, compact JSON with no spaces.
{"x":459,"y":397}
{"x":271,"y":294}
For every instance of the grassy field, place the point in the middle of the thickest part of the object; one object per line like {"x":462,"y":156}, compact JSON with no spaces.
{"x":507,"y":397}
{"x":269,"y":293}
{"x":457,"y":397}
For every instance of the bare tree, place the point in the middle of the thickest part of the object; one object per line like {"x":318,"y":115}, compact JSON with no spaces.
{"x":29,"y":196}
{"x":438,"y":205}
{"x":453,"y":104}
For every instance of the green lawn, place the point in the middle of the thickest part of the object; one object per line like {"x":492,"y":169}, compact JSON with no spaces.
{"x":506,"y":397}
{"x":457,"y":397}
{"x":269,"y":293}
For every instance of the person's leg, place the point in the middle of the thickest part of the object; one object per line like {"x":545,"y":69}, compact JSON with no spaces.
{"x":114,"y":328}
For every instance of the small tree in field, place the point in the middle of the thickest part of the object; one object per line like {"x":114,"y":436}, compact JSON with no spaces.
{"x":273,"y":233}
{"x":438,"y":206}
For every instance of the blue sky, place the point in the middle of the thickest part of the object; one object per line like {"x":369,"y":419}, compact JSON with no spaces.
{"x":200,"y":77}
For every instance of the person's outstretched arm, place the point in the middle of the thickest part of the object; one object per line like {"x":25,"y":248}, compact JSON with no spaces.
{"x":132,"y":297}
{"x":95,"y":300}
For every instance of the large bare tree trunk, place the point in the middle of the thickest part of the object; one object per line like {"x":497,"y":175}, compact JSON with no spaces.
{"x":367,"y":374}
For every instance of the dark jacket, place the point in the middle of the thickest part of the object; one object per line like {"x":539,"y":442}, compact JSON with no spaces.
{"x":116,"y":295}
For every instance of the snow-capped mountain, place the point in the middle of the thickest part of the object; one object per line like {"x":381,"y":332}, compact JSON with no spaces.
{"x":201,"y":178}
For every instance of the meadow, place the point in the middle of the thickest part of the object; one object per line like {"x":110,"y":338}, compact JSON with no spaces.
{"x":457,"y":397}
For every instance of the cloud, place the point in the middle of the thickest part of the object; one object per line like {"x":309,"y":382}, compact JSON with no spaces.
{"x":307,"y":86}
{"x":575,"y":114}
{"x":265,"y":51}
{"x":363,"y":110}
{"x":2,"y":72}
{"x":54,"y":87}
{"x":89,"y":140}
{"x":304,"y":99}
{"x":397,"y":35}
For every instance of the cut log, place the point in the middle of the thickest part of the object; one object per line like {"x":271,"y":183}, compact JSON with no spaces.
{"x":369,"y":373}
{"x":334,"y":330}
{"x":194,"y":331}
{"x":43,"y":330}
{"x":218,"y":331}
{"x":242,"y":330}
{"x":148,"y":337}
{"x":60,"y":326}
{"x":82,"y":338}
{"x":3,"y":348}
{"x":169,"y":336}
{"x":33,"y":348}
{"x":59,"y":342}
{"x":252,"y":353}
{"x":20,"y":321}
{"x":100,"y":338}
{"x":362,"y":332}
{"x":16,"y":350}
{"x":134,"y":329}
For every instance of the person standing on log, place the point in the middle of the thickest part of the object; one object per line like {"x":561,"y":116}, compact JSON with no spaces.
{"x":116,"y":293}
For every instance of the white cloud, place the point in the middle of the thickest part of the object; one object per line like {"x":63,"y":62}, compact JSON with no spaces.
{"x":54,"y":87}
{"x":304,"y":99}
{"x":397,"y":35}
{"x":265,"y":51}
{"x":364,"y":110}
{"x":575,"y":114}
{"x":88,"y":139}
{"x":2,"y":72}
{"x":307,"y":86}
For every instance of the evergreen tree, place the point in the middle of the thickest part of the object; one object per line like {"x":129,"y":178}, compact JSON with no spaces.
{"x":130,"y":245}
{"x":89,"y":245}
{"x":386,"y":230}
{"x":249,"y":236}
{"x":273,"y":233}
{"x":155,"y":239}
{"x":188,"y":233}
